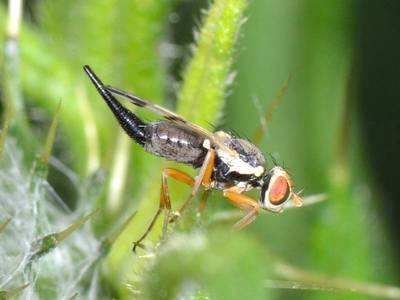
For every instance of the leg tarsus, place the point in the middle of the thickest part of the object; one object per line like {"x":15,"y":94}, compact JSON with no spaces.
{"x":153,"y":221}
{"x":203,"y":200}
{"x":246,"y":203}
{"x":247,"y":219}
{"x":165,"y":223}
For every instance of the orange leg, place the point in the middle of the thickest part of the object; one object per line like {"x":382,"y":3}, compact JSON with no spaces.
{"x":165,"y":202}
{"x":203,"y":200}
{"x":246,"y":203}
{"x":204,"y":178}
{"x":296,"y":200}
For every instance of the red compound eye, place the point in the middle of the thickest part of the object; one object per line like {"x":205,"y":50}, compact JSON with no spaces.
{"x":279,"y":190}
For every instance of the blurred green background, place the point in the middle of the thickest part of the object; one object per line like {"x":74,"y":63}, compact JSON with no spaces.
{"x":337,"y":132}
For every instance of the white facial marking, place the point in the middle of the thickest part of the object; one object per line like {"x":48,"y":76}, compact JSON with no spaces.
{"x":207,"y":144}
{"x":174,"y":139}
{"x":164,"y":137}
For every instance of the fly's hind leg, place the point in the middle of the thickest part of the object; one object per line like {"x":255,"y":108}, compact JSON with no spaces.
{"x":165,"y":203}
{"x":204,"y":178}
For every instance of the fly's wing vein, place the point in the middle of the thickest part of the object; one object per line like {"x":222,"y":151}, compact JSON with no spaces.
{"x":171,"y":116}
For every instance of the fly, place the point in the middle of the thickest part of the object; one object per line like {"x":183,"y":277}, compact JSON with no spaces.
{"x":225,"y":162}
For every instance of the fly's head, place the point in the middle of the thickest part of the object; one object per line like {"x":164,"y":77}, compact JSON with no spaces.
{"x":277,"y":190}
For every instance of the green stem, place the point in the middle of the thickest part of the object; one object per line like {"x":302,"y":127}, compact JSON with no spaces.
{"x":6,"y":295}
{"x":207,"y":76}
{"x":11,"y":74}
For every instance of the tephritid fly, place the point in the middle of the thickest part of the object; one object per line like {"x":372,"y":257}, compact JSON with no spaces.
{"x":225,"y":162}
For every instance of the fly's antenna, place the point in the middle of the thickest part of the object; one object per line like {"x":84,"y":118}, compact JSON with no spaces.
{"x":132,"y":125}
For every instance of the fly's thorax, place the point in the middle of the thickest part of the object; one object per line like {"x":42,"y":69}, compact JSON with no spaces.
{"x":245,"y":159}
{"x":243,"y":165}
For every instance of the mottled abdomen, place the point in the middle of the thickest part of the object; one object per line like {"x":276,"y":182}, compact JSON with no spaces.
{"x":175,"y":142}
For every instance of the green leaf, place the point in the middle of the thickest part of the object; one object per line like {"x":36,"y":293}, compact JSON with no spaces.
{"x":7,"y":295}
{"x":47,"y":243}
{"x":220,"y":264}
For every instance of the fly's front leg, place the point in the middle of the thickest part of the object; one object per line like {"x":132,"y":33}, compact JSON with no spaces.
{"x":246,"y":203}
{"x":165,"y":203}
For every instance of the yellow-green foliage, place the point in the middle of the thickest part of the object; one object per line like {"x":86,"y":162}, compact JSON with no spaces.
{"x":90,"y":163}
{"x":209,"y":74}
{"x":201,"y":100}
